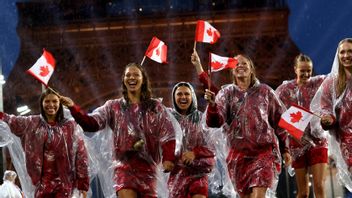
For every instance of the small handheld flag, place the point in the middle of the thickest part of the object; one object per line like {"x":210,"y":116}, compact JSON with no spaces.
{"x":206,"y":33}
{"x":295,"y":120}
{"x":219,"y":63}
{"x":43,"y":68}
{"x":157,"y":51}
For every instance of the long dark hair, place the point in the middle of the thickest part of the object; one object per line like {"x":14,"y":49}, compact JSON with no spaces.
{"x":146,"y":91}
{"x":60,"y":113}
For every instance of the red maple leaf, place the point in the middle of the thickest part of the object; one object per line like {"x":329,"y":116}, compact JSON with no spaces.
{"x":44,"y":70}
{"x":209,"y":32}
{"x":296,"y":117}
{"x":157,"y":51}
{"x":217,"y":65}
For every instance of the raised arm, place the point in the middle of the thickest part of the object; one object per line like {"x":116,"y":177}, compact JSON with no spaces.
{"x":202,"y":75}
{"x":88,"y":123}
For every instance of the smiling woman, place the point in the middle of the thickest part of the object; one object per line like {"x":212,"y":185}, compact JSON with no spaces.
{"x":55,"y":154}
{"x":333,"y":102}
{"x":307,"y":159}
{"x":189,"y":178}
{"x":249,"y":112}
{"x":143,"y":132}
{"x":135,"y":85}
{"x":50,"y":107}
{"x":183,"y":99}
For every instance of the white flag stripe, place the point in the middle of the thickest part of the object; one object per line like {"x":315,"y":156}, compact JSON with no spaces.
{"x":295,"y":120}
{"x":206,"y":37}
{"x":220,"y":59}
{"x":206,"y":33}
{"x":42,"y":69}
{"x":303,"y":122}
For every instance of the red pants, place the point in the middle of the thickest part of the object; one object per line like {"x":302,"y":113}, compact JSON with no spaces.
{"x":138,"y":176}
{"x":247,"y":172}
{"x":311,"y":157}
{"x":183,"y":185}
{"x":52,"y":191}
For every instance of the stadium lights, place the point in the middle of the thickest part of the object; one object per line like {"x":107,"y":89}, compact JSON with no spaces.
{"x":23,"y":110}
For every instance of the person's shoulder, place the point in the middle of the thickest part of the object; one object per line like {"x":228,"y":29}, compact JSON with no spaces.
{"x":116,"y":101}
{"x":171,"y":110}
{"x":318,"y":78}
{"x":331,"y":78}
{"x":227,"y":87}
{"x":36,"y":117}
{"x":157,"y":103}
{"x":264,"y":86}
{"x":286,"y":84}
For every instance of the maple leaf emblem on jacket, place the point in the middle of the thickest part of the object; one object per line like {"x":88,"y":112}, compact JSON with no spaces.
{"x":44,"y":70}
{"x":296,"y":117}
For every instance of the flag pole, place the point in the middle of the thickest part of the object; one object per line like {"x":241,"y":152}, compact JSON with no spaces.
{"x":316,"y":115}
{"x":305,"y":109}
{"x":55,"y":92}
{"x":51,"y":89}
{"x":209,"y":72}
{"x":143,"y":60}
{"x":195,"y":45}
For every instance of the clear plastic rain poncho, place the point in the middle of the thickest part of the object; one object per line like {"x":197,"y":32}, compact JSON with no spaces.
{"x":326,"y":101}
{"x":33,"y":146}
{"x":187,"y":180}
{"x":9,"y":189}
{"x":220,"y":184}
{"x":250,"y":121}
{"x":219,"y":181}
{"x":133,"y":141}
{"x":290,"y":93}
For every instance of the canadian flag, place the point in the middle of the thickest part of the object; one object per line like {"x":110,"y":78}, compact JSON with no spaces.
{"x":157,"y":50}
{"x":43,"y":68}
{"x":206,"y":33}
{"x":295,"y":120}
{"x":218,"y":63}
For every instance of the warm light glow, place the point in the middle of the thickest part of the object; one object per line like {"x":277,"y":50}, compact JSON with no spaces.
{"x":22,"y":108}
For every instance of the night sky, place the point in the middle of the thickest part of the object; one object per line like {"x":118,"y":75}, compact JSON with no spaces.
{"x":316,"y":26}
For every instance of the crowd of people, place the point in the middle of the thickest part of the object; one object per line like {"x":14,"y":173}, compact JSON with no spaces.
{"x":158,"y":151}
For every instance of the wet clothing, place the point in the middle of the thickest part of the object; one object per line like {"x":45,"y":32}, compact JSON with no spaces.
{"x":290,"y":93}
{"x":340,"y":107}
{"x":188,"y":180}
{"x":146,"y":122}
{"x":56,"y":157}
{"x":311,"y":157}
{"x":250,"y":121}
